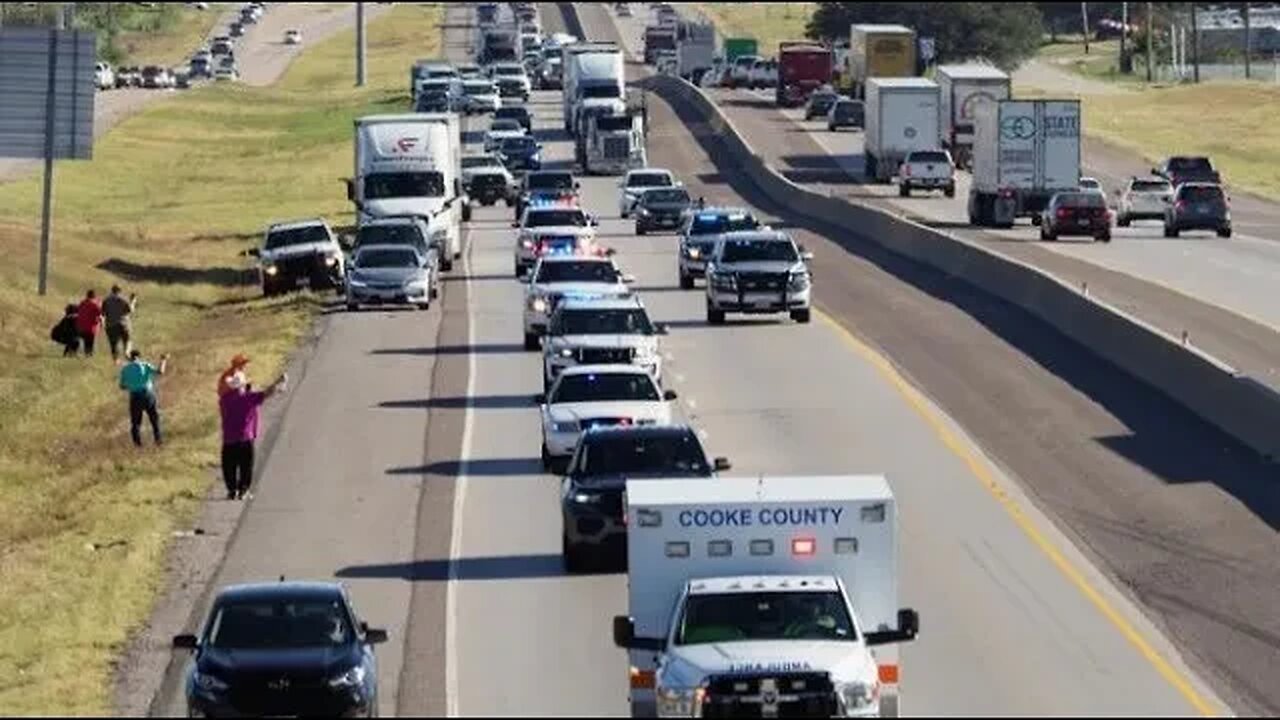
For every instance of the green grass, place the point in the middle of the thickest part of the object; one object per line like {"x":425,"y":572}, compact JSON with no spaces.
{"x":175,"y":194}
{"x":770,"y":23}
{"x":1101,"y":63}
{"x":169,"y":38}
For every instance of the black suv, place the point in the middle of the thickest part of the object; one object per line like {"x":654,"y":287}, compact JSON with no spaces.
{"x":1198,"y":206}
{"x":591,"y":497}
{"x":518,"y":113}
{"x":288,"y":648}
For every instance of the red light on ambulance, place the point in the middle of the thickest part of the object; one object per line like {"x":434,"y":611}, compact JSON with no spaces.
{"x":803,"y":547}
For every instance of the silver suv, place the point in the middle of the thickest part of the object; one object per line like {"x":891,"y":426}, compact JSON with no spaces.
{"x":758,"y":272}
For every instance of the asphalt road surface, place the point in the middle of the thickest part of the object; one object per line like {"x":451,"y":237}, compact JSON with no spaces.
{"x":1221,"y":292}
{"x":407,"y":466}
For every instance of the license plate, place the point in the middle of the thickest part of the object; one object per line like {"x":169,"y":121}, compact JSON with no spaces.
{"x":763,"y":303}
{"x":1202,"y":210}
{"x":1083,"y":222}
{"x":302,"y":281}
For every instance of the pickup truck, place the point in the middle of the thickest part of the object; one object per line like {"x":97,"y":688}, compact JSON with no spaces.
{"x":927,"y":170}
{"x":1187,"y":168}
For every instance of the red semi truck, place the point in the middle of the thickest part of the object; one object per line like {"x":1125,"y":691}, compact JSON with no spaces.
{"x":803,"y":66}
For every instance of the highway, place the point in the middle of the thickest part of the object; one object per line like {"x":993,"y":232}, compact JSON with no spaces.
{"x":1221,"y":292}
{"x":407,"y":466}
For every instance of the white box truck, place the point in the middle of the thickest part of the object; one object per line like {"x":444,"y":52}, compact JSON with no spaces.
{"x":594,"y":81}
{"x":410,"y":165}
{"x":1024,"y":151}
{"x":963,"y":88}
{"x":764,"y":597}
{"x":901,"y":116}
{"x":695,"y":49}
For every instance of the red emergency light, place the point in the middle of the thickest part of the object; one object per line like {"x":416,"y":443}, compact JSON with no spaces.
{"x":803,"y":546}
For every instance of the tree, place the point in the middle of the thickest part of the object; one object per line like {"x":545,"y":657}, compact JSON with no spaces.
{"x":1004,"y":33}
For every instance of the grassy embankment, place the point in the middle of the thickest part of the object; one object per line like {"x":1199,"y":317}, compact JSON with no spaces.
{"x":770,"y":23}
{"x":166,"y":208}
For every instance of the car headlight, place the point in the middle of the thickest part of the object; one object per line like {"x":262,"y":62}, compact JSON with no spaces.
{"x":538,"y":304}
{"x":643,"y":212}
{"x":208,"y":683}
{"x":799,"y":281}
{"x":271,"y":270}
{"x":349,"y":679}
{"x":679,"y":701}
{"x":693,"y":253}
{"x":331,"y":260}
{"x":566,"y":426}
{"x":566,"y":352}
{"x":440,"y":237}
{"x":725,"y":280}
{"x":858,"y":696}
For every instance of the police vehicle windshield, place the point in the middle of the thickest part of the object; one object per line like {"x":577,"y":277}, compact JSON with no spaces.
{"x":590,"y":272}
{"x":380,"y":186}
{"x":550,"y":181}
{"x":668,"y":196}
{"x":285,"y":623}
{"x":713,"y":223}
{"x":766,"y":250}
{"x":555,"y":218}
{"x":297,"y":236}
{"x":649,"y":180}
{"x":658,"y":454}
{"x":729,"y":617}
{"x":605,"y":387}
{"x":601,"y":322}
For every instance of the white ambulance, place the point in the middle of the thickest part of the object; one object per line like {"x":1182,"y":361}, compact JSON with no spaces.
{"x":763,"y":597}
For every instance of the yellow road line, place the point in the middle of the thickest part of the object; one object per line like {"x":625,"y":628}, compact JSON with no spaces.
{"x":982,"y":471}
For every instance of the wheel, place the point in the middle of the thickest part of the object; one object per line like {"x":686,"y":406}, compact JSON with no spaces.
{"x":1170,"y":232}
{"x":424,"y":305}
{"x":950,"y":191}
{"x":686,"y":281}
{"x":352,"y":307}
{"x":546,"y":458}
{"x":624,"y":215}
{"x":1122,"y":221}
{"x":1049,"y":235}
{"x":573,"y":558}
{"x":435,"y":291}
{"x":1105,"y":238}
{"x":466,"y":212}
{"x":1035,"y":219}
{"x":1043,"y":234}
{"x":532,"y":341}
{"x":801,"y":316}
{"x":639,"y":230}
{"x":904,"y":191}
{"x":714,"y":316}
{"x":519,"y":270}
{"x":446,"y":264}
{"x":1224,"y":232}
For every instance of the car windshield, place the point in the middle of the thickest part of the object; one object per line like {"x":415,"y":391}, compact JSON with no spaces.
{"x":389,"y":258}
{"x":654,"y":197}
{"x":605,"y":387}
{"x":434,"y":87}
{"x":589,"y":272}
{"x":929,"y":156}
{"x":379,"y":186}
{"x":478,"y":161}
{"x":748,"y":250}
{"x":297,"y":236}
{"x":649,"y":180}
{"x":550,"y":181}
{"x":478,"y":88}
{"x":556,"y":218}
{"x":516,"y":114}
{"x":505,"y":125}
{"x":513,"y":70}
{"x":601,"y":322}
{"x":848,"y":109}
{"x":1082,"y":200}
{"x":712,"y":223}
{"x":1201,"y":193}
{"x":823,"y":98}
{"x":601,"y":91}
{"x":1184,"y":164}
{"x":729,"y":617}
{"x":1150,"y":186}
{"x":552,"y":53}
{"x":284,"y":623}
{"x":613,"y":454}
{"x":397,"y":234}
{"x":520,"y":144}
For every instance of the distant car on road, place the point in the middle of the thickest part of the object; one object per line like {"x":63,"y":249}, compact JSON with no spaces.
{"x":287,"y":648}
{"x":846,"y":113}
{"x":236,"y":29}
{"x":391,"y":274}
{"x":127,"y":77}
{"x":1143,"y":199}
{"x":226,"y":74}
{"x":1188,"y":168}
{"x":518,"y":113}
{"x":301,"y":253}
{"x":155,"y":77}
{"x":292,"y":37}
{"x":927,"y":170}
{"x":661,"y":209}
{"x":623,"y":9}
{"x":104,"y":76}
{"x":635,"y":182}
{"x":1080,"y":212}
{"x":820,"y":104}
{"x":1198,"y":206}
{"x":1091,"y":184}
{"x":499,"y":130}
{"x":521,"y":153}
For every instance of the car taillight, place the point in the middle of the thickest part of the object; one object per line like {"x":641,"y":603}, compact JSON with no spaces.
{"x":1180,"y":205}
{"x":1063,"y":213}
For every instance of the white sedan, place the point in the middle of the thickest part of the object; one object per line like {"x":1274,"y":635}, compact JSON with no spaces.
{"x":500,"y":130}
{"x":593,"y":395}
{"x":292,"y":37}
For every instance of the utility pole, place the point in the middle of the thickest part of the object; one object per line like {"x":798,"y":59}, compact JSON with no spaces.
{"x":1124,"y":36}
{"x":1084,"y":18}
{"x":46,"y":213}
{"x":1195,"y":43}
{"x":68,"y":16}
{"x":360,"y":45}
{"x":1151,"y":33}
{"x":1247,"y":43}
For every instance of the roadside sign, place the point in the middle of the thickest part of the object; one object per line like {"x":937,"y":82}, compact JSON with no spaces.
{"x":47,"y":82}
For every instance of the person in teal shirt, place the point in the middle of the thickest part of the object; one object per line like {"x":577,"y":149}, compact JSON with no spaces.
{"x":137,"y":378}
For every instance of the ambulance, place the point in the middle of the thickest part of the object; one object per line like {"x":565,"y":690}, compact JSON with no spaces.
{"x":763,"y":597}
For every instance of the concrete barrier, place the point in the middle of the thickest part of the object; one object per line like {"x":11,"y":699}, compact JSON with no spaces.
{"x":1239,"y":405}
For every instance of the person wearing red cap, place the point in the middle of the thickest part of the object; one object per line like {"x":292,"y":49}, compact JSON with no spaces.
{"x":239,"y":407}
{"x":238,"y":364}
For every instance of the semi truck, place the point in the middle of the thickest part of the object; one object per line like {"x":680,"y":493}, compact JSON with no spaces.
{"x":763,"y":597}
{"x":499,"y":44}
{"x":1024,"y":151}
{"x":901,"y":116}
{"x":963,"y":88}
{"x":658,"y":38}
{"x":614,"y":143}
{"x":879,"y":51}
{"x":695,"y":49}
{"x":411,"y":165}
{"x":594,"y":81}
{"x":803,"y":66}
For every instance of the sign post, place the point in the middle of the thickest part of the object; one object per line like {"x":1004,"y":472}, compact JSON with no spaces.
{"x":47,"y":86}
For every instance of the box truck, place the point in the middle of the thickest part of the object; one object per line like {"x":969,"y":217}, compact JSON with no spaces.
{"x":410,"y":165}
{"x":594,"y":81}
{"x":884,"y":51}
{"x":763,"y":597}
{"x":1024,"y":151}
{"x":658,"y":38}
{"x":695,"y":49}
{"x":803,"y":66}
{"x":963,"y":89}
{"x":901,"y":116}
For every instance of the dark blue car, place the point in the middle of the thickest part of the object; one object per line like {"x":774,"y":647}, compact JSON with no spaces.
{"x":287,"y":648}
{"x":521,"y":153}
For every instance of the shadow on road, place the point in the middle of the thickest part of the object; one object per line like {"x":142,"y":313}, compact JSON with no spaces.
{"x":501,"y":567}
{"x":482,"y":402}
{"x":489,"y":467}
{"x":478,"y":349}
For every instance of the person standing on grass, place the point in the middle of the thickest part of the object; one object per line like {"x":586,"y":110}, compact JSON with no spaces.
{"x":237,"y":365}
{"x":137,"y":378}
{"x":117,"y":314}
{"x":239,"y":407}
{"x":88,"y":318}
{"x":65,"y":332}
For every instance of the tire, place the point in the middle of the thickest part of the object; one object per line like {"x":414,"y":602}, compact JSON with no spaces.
{"x":802,"y":316}
{"x":446,"y":264}
{"x":435,"y":292}
{"x":519,"y":271}
{"x":353,"y":307}
{"x":1035,"y":219}
{"x":573,"y":559}
{"x":1043,"y":235}
{"x":532,"y":342}
{"x":625,"y":215}
{"x":466,"y":212}
{"x":1170,"y":232}
{"x":950,"y":191}
{"x":714,"y":316}
{"x":904,"y":190}
{"x":1123,"y":221}
{"x":639,"y":230}
{"x":1104,"y":238}
{"x":1224,"y":232}
{"x":546,"y":458}
{"x":686,"y":281}
{"x":1050,"y":235}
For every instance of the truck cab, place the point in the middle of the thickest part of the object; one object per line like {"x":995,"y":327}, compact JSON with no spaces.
{"x":765,"y":596}
{"x":615,"y":143}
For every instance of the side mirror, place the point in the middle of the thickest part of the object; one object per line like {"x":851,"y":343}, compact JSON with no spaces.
{"x":253,"y":252}
{"x":661,"y":329}
{"x":185,"y":642}
{"x":540,"y":399}
{"x":669,"y":395}
{"x":722,"y":464}
{"x":515,"y":223}
{"x":374,"y":636}
{"x":595,"y":221}
{"x":806,"y":255}
{"x":351,"y":188}
{"x":624,"y":636}
{"x":907,"y":630}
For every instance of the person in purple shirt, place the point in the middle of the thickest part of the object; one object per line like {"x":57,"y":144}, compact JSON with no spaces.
{"x":239,"y":408}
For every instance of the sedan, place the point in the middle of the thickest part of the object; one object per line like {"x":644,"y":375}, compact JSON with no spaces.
{"x":1076,"y":213}
{"x":662,"y":209}
{"x":820,"y":104}
{"x":501,"y":130}
{"x":226,"y":74}
{"x":286,"y":648}
{"x":588,"y":395}
{"x":846,"y":113}
{"x":390,"y":274}
{"x":292,"y":37}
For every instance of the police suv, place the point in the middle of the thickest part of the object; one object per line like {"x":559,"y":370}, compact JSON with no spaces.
{"x":553,"y":228}
{"x":763,"y":597}
{"x":699,"y":234}
{"x":607,"y":330}
{"x":556,"y":276}
{"x":590,"y":396}
{"x":755,"y":272}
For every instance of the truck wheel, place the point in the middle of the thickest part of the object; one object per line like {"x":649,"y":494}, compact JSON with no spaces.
{"x":531,"y":341}
{"x":904,"y":190}
{"x":801,"y":316}
{"x":1224,"y":232}
{"x":686,"y":281}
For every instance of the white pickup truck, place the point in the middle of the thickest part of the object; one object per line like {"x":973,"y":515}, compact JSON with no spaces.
{"x":927,"y":170}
